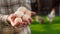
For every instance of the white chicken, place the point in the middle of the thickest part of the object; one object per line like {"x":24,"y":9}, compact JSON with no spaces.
{"x":51,"y":16}
{"x":20,"y":12}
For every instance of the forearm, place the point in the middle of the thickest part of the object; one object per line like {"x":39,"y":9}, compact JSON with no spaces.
{"x":3,"y":19}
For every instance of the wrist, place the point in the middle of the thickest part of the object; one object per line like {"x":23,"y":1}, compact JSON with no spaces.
{"x":6,"y":18}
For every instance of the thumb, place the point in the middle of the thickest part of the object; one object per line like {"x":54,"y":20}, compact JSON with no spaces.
{"x":33,"y":13}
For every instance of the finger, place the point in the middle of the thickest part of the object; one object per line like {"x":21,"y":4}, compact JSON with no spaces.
{"x":30,"y":20}
{"x":10,"y":20}
{"x":12,"y":17}
{"x":28,"y":12}
{"x":19,"y":25}
{"x":25,"y":23}
{"x":33,"y":13}
{"x":16,"y":24}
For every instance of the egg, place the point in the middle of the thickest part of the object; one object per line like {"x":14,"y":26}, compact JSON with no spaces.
{"x":19,"y":13}
{"x":23,"y":9}
{"x":28,"y":12}
{"x":18,"y":20}
{"x":26,"y":17}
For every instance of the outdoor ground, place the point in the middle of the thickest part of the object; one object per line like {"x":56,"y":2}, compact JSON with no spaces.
{"x":46,"y":28}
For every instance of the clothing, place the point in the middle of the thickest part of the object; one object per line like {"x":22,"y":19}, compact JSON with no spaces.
{"x":7,"y":7}
{"x":10,"y":6}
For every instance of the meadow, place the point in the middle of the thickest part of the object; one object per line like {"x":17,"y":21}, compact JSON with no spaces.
{"x":46,"y":28}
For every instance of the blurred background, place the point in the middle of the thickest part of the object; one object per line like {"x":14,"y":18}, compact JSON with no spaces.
{"x":41,"y":21}
{"x":43,"y":8}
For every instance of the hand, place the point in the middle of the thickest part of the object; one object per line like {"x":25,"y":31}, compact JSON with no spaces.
{"x":24,"y":22}
{"x":26,"y":11}
{"x":26,"y":18}
{"x":11,"y":19}
{"x":14,"y":23}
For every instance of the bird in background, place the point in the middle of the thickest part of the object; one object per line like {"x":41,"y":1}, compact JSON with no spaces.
{"x":51,"y":16}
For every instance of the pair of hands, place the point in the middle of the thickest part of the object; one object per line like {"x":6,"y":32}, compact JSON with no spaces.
{"x":12,"y":17}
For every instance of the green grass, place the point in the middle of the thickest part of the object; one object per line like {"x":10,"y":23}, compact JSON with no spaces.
{"x":46,"y":28}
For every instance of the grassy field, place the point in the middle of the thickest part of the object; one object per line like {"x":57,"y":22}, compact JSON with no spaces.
{"x":46,"y":28}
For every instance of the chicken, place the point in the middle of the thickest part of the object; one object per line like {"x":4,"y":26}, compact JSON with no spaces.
{"x":20,"y":13}
{"x":51,"y":16}
{"x":39,"y":19}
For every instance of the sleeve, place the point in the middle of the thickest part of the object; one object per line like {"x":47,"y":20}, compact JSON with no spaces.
{"x":3,"y":19}
{"x":26,"y":3}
